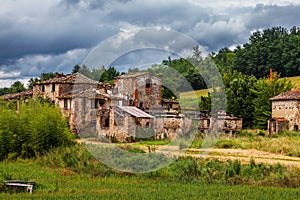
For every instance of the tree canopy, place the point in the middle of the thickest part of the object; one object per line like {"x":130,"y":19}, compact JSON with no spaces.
{"x":274,"y":48}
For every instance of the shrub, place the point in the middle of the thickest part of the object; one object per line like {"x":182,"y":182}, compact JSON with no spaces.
{"x":261,"y":133}
{"x":34,"y":129}
{"x":245,"y":133}
{"x":227,"y":144}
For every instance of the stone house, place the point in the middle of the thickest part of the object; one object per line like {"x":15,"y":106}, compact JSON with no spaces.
{"x":131,"y":108}
{"x":103,"y":110}
{"x":285,"y":112}
{"x":62,"y":91}
{"x":227,"y":123}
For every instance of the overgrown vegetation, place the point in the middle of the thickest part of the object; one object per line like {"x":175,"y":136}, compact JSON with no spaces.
{"x":285,"y":143}
{"x":28,"y":129}
{"x":72,"y":171}
{"x":61,"y":183}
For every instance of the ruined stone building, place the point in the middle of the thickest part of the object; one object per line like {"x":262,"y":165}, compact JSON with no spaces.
{"x":221,"y":121}
{"x":116,"y":111}
{"x":141,"y":90}
{"x":131,"y":108}
{"x":285,"y":112}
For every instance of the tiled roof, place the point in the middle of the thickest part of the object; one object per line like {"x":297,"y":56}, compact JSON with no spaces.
{"x":290,"y":95}
{"x":133,"y":75}
{"x":134,"y":111}
{"x":70,"y":79}
{"x":170,"y":101}
{"x":279,"y":119}
{"x":88,"y":93}
{"x":26,"y":93}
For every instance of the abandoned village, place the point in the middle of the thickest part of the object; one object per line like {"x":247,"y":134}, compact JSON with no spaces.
{"x":134,"y":102}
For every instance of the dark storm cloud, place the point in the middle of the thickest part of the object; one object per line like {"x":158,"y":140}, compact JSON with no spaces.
{"x":264,"y":16}
{"x":39,"y":35}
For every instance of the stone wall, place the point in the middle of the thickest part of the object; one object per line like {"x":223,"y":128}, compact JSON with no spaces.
{"x":171,"y":128}
{"x":287,"y":109}
{"x":142,"y":91}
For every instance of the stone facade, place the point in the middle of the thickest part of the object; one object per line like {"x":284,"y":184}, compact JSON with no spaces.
{"x":141,"y":90}
{"x":222,"y":121}
{"x":285,"y":112}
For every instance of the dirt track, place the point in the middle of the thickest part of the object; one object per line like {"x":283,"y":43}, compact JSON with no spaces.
{"x":243,"y":155}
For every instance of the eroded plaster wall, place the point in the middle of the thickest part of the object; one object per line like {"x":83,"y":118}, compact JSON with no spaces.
{"x":140,"y":91}
{"x":288,"y":109}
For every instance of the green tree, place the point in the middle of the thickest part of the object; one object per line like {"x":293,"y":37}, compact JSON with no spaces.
{"x":205,"y":102}
{"x":263,"y":90}
{"x":224,"y":60}
{"x":109,"y":75}
{"x":240,"y":96}
{"x":4,"y":91}
{"x":17,"y":87}
{"x":76,"y":69}
{"x":133,"y":70}
{"x":47,"y":76}
{"x":31,"y":82}
{"x":274,"y":48}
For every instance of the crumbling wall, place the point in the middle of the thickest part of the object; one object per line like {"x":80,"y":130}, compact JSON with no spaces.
{"x":288,"y":109}
{"x":142,"y":91}
{"x":171,"y":128}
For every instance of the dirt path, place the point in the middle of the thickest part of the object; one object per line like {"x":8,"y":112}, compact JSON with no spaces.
{"x":243,"y":155}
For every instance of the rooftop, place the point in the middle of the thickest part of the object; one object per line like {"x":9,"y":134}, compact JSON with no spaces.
{"x":133,"y":75}
{"x":290,"y":95}
{"x":24,"y":94}
{"x":134,"y":111}
{"x":70,"y":79}
{"x":92,"y":93}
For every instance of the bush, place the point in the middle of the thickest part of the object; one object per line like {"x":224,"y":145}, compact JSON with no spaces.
{"x":227,"y":144}
{"x":261,"y":133}
{"x":245,"y":133}
{"x":34,"y":129}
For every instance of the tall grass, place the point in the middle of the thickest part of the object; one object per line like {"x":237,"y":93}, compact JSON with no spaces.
{"x":188,"y":178}
{"x":285,"y":143}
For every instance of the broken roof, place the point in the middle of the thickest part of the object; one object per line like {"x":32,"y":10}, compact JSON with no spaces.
{"x":91,"y":93}
{"x":26,"y":93}
{"x":134,"y":111}
{"x":170,"y":101}
{"x":278,"y":119}
{"x":133,"y":75}
{"x":290,"y":95}
{"x":70,"y":79}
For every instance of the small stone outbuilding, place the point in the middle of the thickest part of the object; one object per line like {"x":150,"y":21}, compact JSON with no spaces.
{"x":285,"y":112}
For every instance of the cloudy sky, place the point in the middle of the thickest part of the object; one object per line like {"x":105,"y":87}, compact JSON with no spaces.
{"x":54,"y":35}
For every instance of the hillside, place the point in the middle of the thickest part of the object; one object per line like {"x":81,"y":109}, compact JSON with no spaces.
{"x":185,"y":95}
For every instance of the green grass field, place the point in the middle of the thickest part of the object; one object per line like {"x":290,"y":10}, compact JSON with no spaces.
{"x":191,"y":94}
{"x":295,"y":80}
{"x":60,"y":183}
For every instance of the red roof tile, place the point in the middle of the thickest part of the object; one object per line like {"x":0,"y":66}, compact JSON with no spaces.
{"x":70,"y":79}
{"x":26,"y":93}
{"x":290,"y":95}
